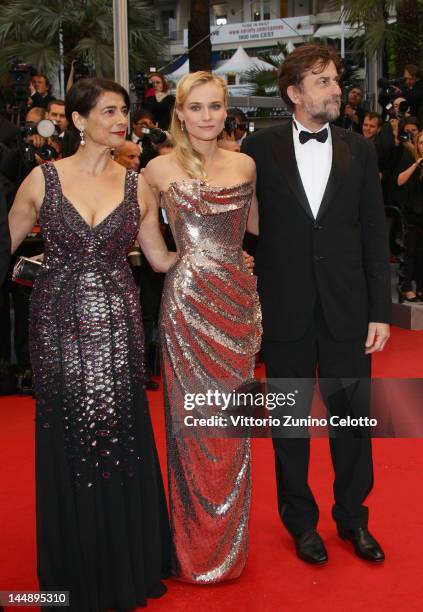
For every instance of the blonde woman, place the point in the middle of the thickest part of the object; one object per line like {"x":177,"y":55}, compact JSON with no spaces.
{"x":210,"y":330}
{"x":410,"y":181}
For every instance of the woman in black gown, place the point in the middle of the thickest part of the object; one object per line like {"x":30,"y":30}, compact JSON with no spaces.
{"x":159,"y":101}
{"x":102,"y":526}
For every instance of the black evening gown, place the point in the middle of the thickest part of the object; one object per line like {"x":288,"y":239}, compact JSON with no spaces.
{"x":102,"y":524}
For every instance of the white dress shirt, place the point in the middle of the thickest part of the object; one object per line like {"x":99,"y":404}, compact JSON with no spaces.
{"x":314,"y":161}
{"x":136,"y":140}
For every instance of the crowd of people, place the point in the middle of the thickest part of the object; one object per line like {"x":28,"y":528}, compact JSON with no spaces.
{"x":188,"y":182}
{"x":24,"y":149}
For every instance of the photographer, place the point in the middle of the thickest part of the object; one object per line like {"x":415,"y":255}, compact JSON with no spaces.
{"x":372,"y":125}
{"x":142,"y":118}
{"x":409,"y":87}
{"x":227,"y":138}
{"x":35,"y":145}
{"x":147,"y":135}
{"x":68,"y":139}
{"x":40,"y":92}
{"x":32,"y":147}
{"x":352,"y":113}
{"x":56,"y":113}
{"x":410,"y":197}
{"x":412,"y":90}
{"x":241,"y":125}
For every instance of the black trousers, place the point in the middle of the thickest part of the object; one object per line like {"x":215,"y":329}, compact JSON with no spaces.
{"x":413,"y":258}
{"x":351,"y":452}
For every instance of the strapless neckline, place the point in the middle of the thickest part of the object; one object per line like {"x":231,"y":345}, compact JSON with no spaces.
{"x":205,"y":184}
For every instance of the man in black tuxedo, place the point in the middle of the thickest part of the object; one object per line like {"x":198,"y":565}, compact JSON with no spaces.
{"x":324,"y":285}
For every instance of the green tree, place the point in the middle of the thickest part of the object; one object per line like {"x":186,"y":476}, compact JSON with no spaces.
{"x":392,"y":26}
{"x":408,"y":41}
{"x":31,"y":30}
{"x":265,"y":82}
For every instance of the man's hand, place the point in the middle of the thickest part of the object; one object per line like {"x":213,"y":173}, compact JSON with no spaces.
{"x":350,"y":112}
{"x":36,"y":140}
{"x":377,"y":337}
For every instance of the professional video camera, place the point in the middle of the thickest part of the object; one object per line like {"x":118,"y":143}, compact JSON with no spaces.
{"x":20,"y":74}
{"x":389,"y":84}
{"x":81,"y":69}
{"x":389,"y":91}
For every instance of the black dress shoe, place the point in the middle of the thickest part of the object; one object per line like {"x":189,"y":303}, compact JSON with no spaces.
{"x":310,"y":548}
{"x":365,"y":546}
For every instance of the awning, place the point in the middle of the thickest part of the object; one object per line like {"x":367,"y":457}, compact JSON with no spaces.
{"x":334,"y":30}
{"x":241,"y":62}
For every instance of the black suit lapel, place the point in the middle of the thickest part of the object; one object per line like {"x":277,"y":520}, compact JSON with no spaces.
{"x":284,"y":153}
{"x":340,"y":162}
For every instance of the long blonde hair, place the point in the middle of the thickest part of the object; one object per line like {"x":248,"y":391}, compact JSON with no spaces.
{"x":191,"y":160}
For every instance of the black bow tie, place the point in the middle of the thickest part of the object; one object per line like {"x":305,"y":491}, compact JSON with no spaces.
{"x":319,"y":136}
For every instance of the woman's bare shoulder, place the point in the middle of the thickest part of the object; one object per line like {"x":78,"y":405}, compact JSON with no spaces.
{"x":159,"y":169}
{"x":244,"y":164}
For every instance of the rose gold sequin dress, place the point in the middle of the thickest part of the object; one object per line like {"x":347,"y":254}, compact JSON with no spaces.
{"x":210,"y":333}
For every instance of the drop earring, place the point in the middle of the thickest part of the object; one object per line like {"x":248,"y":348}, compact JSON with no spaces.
{"x":182,"y":126}
{"x":82,"y":137}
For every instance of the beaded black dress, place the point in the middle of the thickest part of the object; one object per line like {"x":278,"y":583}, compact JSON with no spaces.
{"x":102,"y":525}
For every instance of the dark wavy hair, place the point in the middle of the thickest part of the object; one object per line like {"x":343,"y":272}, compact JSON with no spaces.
{"x":84,"y":95}
{"x":309,"y":56}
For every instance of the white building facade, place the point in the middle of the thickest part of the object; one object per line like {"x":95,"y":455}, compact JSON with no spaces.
{"x":256,"y":25}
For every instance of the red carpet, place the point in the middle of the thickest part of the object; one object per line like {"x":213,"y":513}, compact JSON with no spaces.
{"x":274,"y":580}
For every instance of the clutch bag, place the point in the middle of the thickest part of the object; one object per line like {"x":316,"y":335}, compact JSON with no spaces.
{"x":25,"y":271}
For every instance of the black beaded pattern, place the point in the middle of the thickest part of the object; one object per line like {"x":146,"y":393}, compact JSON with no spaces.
{"x":86,"y":336}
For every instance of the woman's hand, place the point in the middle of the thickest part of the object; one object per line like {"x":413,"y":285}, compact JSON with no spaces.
{"x":403,"y":177}
{"x":248,"y":260}
{"x":39,"y":257}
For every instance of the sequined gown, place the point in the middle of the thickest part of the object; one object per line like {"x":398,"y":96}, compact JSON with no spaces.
{"x":210,"y":332}
{"x":102,"y":530}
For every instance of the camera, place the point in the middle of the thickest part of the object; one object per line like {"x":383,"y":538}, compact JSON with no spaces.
{"x":20,"y":74}
{"x":230,"y":124}
{"x":155,"y":136}
{"x":81,"y":69}
{"x":388,"y":84}
{"x":403,"y":109}
{"x":405,"y":137}
{"x":44,"y":128}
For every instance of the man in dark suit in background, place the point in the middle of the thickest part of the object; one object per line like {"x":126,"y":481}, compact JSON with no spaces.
{"x":324,"y":285}
{"x":4,"y":239}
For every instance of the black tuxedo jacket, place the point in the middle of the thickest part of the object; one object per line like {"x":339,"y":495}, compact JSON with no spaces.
{"x":340,"y":257}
